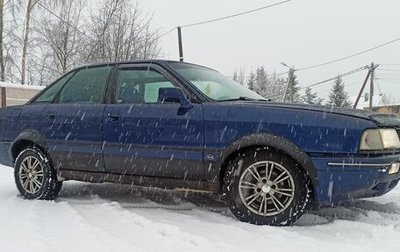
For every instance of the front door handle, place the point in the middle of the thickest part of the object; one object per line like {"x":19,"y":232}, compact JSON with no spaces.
{"x":113,"y":118}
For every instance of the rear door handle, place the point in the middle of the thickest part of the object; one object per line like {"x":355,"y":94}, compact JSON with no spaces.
{"x":50,"y":116}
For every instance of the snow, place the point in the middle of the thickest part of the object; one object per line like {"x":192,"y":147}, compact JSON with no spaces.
{"x":19,"y":86}
{"x":108,"y":217}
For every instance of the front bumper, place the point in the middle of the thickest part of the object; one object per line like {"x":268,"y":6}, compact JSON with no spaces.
{"x":345,"y":178}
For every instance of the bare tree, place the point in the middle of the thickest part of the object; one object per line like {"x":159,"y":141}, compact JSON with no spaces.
{"x":62,"y":37}
{"x":31,"y":5}
{"x":2,"y":58}
{"x":239,"y":75}
{"x":120,"y":31}
{"x":7,"y":40}
{"x":27,"y":27}
{"x":59,"y":34}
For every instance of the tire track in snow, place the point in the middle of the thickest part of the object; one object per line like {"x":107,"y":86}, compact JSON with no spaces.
{"x":138,"y":228}
{"x":19,"y":219}
{"x":100,"y":235}
{"x":160,"y":202}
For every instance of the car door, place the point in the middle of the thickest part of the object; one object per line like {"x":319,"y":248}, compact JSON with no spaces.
{"x":72,"y":125}
{"x":148,"y":138}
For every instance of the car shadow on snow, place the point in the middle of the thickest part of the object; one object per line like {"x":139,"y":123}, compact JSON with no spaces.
{"x":132,"y":197}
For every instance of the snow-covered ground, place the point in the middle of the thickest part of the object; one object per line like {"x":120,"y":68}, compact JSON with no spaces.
{"x":106,"y":217}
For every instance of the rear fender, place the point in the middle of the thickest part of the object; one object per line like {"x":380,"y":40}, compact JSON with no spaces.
{"x":28,"y":135}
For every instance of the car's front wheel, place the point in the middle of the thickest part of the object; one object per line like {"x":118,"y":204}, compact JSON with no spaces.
{"x":34,"y":175}
{"x":266,"y":188}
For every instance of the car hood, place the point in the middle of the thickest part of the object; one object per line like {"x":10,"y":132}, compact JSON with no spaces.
{"x":378,"y":118}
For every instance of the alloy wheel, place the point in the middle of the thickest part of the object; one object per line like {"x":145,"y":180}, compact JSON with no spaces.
{"x":31,"y":174}
{"x":266,"y":188}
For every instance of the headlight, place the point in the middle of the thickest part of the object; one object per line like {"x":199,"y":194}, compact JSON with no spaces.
{"x":379,"y":139}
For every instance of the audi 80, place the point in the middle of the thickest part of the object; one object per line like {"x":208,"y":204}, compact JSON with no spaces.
{"x":176,"y":125}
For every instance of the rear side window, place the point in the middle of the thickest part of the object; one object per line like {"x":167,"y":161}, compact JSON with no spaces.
{"x":50,"y":93}
{"x":86,"y":86}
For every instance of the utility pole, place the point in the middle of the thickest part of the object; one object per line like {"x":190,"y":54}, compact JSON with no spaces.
{"x":370,"y":74}
{"x":291,"y":81}
{"x":362,"y":88}
{"x":180,"y":44}
{"x":371,"y":87}
{"x":290,"y":84}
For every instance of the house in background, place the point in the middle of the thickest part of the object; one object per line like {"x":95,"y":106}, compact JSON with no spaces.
{"x":381,"y":104}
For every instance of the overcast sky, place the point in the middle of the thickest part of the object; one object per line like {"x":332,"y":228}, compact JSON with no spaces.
{"x":300,"y":33}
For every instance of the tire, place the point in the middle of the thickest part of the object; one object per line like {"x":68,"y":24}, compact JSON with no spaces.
{"x":34,"y":175}
{"x":266,"y":188}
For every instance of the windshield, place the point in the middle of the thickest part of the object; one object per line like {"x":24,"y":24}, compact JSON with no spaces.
{"x":213,"y":84}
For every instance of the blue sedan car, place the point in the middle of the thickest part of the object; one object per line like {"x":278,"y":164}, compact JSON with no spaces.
{"x":182,"y":126}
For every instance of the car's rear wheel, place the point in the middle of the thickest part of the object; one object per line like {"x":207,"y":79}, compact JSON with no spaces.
{"x":34,"y":175}
{"x":266,"y":188}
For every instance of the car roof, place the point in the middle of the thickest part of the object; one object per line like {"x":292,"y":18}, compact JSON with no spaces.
{"x":156,"y":61}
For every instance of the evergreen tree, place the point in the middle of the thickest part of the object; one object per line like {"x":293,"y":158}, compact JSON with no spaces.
{"x":338,"y":97}
{"x":311,"y":97}
{"x":251,"y":81}
{"x":261,"y":82}
{"x":272,"y":87}
{"x":293,"y":85}
{"x":277,"y":88}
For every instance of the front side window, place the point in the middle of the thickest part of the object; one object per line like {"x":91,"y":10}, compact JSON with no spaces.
{"x":139,"y":85}
{"x":50,"y":93}
{"x":86,"y":86}
{"x":212,"y":83}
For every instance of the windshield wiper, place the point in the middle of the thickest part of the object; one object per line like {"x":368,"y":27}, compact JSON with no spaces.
{"x":243,"y":98}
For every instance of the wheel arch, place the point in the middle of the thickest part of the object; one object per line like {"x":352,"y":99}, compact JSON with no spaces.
{"x":27,"y":138}
{"x":269,"y":141}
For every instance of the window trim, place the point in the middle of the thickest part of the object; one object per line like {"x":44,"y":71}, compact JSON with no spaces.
{"x":103,"y":100}
{"x":33,"y":99}
{"x":157,"y":68}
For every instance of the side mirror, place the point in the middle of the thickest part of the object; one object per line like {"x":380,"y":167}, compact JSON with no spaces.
{"x":174,"y":95}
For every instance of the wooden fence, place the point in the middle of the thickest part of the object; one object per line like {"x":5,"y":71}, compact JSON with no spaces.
{"x":16,"y":94}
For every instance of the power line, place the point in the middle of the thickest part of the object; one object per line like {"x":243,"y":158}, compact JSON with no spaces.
{"x":62,"y":20}
{"x":388,"y":81}
{"x":234,"y":15}
{"x":223,"y":18}
{"x":389,"y":70}
{"x":333,"y":78}
{"x":352,"y":55}
{"x":389,"y":78}
{"x":168,"y":32}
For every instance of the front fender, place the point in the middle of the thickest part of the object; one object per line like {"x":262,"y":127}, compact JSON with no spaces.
{"x":279,"y":143}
